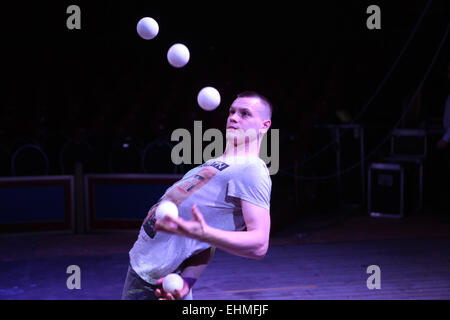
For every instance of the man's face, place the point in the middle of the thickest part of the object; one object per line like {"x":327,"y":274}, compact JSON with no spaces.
{"x":247,"y":116}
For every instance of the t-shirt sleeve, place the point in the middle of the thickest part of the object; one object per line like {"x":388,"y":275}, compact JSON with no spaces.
{"x":252,"y":184}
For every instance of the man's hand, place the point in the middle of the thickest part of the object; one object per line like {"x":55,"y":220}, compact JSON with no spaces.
{"x":252,"y":243}
{"x":194,"y":228}
{"x":177,"y":295}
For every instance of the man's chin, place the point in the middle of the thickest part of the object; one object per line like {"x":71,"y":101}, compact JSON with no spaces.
{"x":233,"y":133}
{"x":238,"y":137}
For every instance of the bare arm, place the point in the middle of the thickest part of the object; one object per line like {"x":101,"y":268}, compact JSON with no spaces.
{"x":252,"y":243}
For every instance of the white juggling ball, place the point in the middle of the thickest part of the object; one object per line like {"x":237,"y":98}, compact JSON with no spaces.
{"x":178,"y":55}
{"x":147,"y":28}
{"x":172,"y":282}
{"x":166,"y":207}
{"x":208,"y":98}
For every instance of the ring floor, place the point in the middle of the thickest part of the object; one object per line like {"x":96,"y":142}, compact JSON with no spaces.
{"x":413,"y":256}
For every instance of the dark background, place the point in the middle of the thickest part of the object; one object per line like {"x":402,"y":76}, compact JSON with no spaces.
{"x":103,"y":84}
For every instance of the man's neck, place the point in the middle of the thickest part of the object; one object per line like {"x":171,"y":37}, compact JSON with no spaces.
{"x":248,"y":149}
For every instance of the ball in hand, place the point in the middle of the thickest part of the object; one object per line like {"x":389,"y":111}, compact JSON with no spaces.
{"x":172,"y":282}
{"x":166,"y":207}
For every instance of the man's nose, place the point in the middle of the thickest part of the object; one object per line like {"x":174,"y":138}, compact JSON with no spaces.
{"x":233,"y":117}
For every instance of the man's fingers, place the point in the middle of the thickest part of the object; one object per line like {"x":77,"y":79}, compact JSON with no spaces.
{"x":177,"y":294}
{"x":178,"y":224}
{"x":197,"y":214}
{"x":170,"y":297}
{"x":164,"y":226}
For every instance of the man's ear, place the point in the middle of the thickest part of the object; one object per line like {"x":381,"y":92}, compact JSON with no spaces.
{"x":267,"y":124}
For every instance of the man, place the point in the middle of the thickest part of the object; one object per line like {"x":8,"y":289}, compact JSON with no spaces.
{"x":224,"y":203}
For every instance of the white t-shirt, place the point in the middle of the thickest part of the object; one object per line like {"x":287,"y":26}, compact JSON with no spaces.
{"x":216,"y":187}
